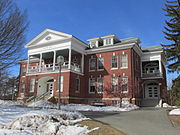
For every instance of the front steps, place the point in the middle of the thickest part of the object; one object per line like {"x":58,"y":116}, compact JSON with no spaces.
{"x":44,"y":96}
{"x":149,"y":102}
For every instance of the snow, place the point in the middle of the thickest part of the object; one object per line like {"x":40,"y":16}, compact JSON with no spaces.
{"x":16,"y":120}
{"x":175,"y":112}
{"x":126,"y":106}
{"x":9,"y":102}
{"x":165,"y":105}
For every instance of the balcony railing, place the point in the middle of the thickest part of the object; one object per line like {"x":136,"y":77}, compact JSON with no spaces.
{"x":49,"y":68}
{"x":151,"y":74}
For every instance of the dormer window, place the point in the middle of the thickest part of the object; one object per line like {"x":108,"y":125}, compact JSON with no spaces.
{"x":108,"y":41}
{"x":93,"y":44}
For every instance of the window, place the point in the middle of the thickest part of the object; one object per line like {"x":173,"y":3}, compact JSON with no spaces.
{"x":114,"y":62}
{"x":77,"y":88}
{"x":23,"y":71}
{"x":62,"y":82}
{"x":114,"y":83}
{"x":92,"y":64}
{"x":100,"y":84}
{"x":108,"y":41}
{"x":92,"y":85}
{"x":100,"y":63}
{"x":124,"y":84}
{"x":124,"y":60}
{"x":32,"y":84}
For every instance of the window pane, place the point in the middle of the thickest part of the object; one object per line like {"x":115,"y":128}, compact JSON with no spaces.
{"x":100,"y":83}
{"x":32,"y":84}
{"x":124,"y":83}
{"x":77,"y":85}
{"x":114,"y":61}
{"x":123,"y":60}
{"x":92,"y":85}
{"x":114,"y":83}
{"x":92,"y":64}
{"x":100,"y":63}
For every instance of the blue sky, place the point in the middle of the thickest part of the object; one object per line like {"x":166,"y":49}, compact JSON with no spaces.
{"x":93,"y":18}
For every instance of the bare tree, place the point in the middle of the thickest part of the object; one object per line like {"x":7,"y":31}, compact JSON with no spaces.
{"x":119,"y":86}
{"x":13,"y":25}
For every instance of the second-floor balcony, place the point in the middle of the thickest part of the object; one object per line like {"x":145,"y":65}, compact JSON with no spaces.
{"x":46,"y":68}
{"x":154,"y":73}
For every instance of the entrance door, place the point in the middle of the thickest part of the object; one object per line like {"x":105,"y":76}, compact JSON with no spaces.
{"x":152,"y":91}
{"x":50,"y":87}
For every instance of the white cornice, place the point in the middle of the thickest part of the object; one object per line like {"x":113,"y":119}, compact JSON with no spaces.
{"x":43,"y":33}
{"x":109,"y":48}
{"x":51,"y":42}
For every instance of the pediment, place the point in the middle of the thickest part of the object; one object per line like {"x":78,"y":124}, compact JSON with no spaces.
{"x":47,"y":36}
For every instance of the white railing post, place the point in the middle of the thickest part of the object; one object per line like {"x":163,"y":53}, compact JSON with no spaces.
{"x":54,"y":60}
{"x":69,"y":66}
{"x":40,"y":62}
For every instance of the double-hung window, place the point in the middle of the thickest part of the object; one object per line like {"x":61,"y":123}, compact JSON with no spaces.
{"x":92,"y":85}
{"x":92,"y":64}
{"x":124,"y":84}
{"x":100,"y":63}
{"x":100,"y":84}
{"x":77,"y":88}
{"x":114,"y":63}
{"x":114,"y":84}
{"x":124,"y":61}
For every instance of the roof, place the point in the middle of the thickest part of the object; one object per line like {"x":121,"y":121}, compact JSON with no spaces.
{"x":152,"y":48}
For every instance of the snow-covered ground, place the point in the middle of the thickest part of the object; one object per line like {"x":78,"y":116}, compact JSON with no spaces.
{"x":15,"y":120}
{"x":175,"y":112}
{"x":126,"y":106}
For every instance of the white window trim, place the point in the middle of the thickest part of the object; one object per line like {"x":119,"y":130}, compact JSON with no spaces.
{"x":62,"y":86}
{"x":102,"y":84}
{"x":98,"y":64}
{"x":79,"y":88}
{"x":90,"y":86}
{"x":34,"y":82}
{"x":126,"y":61}
{"x":89,"y":65}
{"x":117,"y":63}
{"x":112,"y":83}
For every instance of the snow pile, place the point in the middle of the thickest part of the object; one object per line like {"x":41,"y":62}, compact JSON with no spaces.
{"x":165,"y":105}
{"x":46,"y":125}
{"x":43,"y":104}
{"x":9,"y":102}
{"x":175,"y":112}
{"x":42,"y":121}
{"x":126,"y":106}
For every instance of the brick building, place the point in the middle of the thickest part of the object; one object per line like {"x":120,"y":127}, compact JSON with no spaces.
{"x":103,"y":71}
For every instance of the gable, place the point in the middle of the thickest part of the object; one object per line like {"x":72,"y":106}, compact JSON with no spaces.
{"x":48,"y":36}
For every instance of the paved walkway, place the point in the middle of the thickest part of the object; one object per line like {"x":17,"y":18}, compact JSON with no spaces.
{"x":146,"y":121}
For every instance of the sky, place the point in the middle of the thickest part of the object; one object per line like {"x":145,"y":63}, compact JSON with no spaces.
{"x":86,"y":19}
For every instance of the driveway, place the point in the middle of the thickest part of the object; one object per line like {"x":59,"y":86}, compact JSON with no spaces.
{"x":145,"y":121}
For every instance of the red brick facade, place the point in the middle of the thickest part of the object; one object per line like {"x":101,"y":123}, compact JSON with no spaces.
{"x":136,"y":83}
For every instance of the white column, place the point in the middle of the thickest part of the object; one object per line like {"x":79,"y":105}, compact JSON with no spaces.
{"x":160,"y":67}
{"x":40,"y":62}
{"x":69,"y":66}
{"x":82,"y":63}
{"x":28,"y":64}
{"x":54,"y":60}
